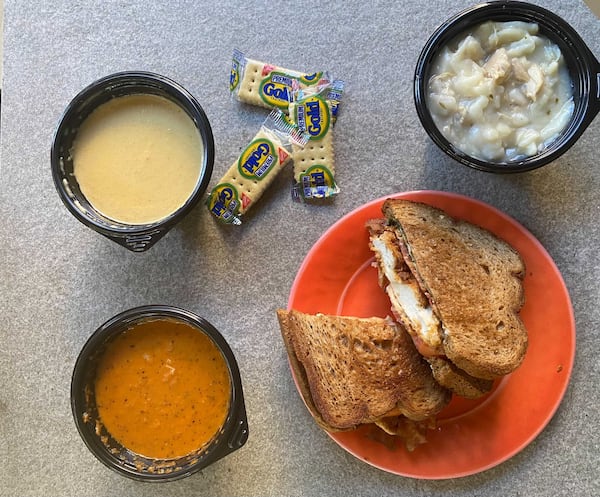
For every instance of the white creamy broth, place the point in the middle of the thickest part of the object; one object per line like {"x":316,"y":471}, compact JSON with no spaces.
{"x":502,"y":92}
{"x":137,"y":158}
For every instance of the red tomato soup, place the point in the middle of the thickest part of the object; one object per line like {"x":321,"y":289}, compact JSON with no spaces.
{"x":162,"y":389}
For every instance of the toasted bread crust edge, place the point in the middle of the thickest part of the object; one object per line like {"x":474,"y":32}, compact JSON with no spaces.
{"x":447,"y":374}
{"x":283,"y":317}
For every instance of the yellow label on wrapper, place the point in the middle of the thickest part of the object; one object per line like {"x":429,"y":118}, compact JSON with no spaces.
{"x":258,"y":159}
{"x":224,"y":202}
{"x":312,"y":114}
{"x":316,"y":182}
{"x":311,"y":79}
{"x":276,"y":90}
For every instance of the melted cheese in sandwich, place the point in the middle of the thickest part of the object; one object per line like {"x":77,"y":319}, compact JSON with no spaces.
{"x":406,"y":296}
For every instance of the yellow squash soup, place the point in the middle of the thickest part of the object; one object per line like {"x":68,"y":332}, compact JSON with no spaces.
{"x":162,"y":389}
{"x":137,"y":158}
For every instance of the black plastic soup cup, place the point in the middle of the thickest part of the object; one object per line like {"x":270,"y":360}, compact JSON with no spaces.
{"x":140,"y":237}
{"x":232,"y":435}
{"x":583,"y":67}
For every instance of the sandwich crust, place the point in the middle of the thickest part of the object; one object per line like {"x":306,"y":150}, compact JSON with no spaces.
{"x":457,"y":380}
{"x":473,"y":281}
{"x":353,"y":371}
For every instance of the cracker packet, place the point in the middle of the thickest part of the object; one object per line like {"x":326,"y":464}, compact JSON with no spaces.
{"x":255,"y":169}
{"x":315,"y":111}
{"x":268,"y":85}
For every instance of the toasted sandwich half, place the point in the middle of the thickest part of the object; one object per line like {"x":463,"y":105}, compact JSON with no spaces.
{"x":353,"y":371}
{"x":458,"y":290}
{"x":411,"y":307}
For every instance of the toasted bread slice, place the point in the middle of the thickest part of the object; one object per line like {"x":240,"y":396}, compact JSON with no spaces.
{"x":354,"y":371}
{"x":473,"y":281}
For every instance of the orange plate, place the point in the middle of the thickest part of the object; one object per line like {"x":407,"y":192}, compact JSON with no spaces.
{"x":337,"y":277}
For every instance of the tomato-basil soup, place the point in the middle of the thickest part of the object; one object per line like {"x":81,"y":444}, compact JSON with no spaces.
{"x":162,"y":388}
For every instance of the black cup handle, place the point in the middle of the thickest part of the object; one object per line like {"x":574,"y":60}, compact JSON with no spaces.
{"x":137,"y":242}
{"x":239,"y":435}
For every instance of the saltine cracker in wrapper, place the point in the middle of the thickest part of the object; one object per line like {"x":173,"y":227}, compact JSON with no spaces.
{"x":267,"y":85}
{"x":255,"y":169}
{"x":315,"y":111}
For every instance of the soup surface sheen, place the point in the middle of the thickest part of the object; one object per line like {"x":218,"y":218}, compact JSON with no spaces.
{"x":137,"y":158}
{"x":162,"y":389}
